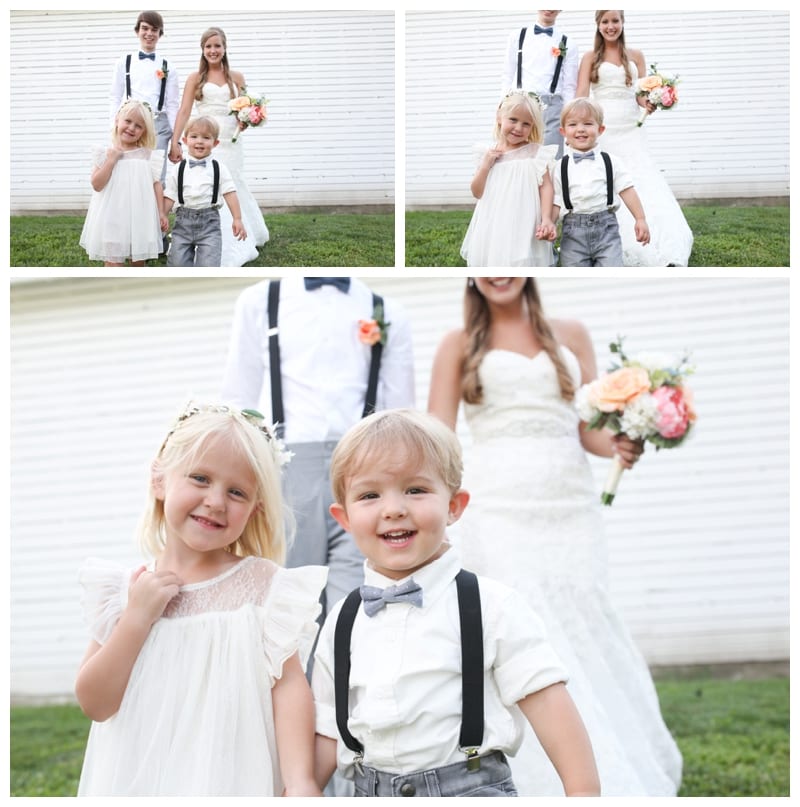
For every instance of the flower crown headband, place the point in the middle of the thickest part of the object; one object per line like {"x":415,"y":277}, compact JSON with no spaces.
{"x":528,"y":94}
{"x":281,"y":454}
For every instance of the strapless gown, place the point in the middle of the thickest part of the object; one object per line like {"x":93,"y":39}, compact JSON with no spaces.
{"x":234,"y":253}
{"x":534,"y":522}
{"x":670,"y":237}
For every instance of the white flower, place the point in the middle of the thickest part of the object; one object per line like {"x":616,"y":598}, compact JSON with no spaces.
{"x":640,"y":417}
{"x":653,"y":361}
{"x":583,"y":403}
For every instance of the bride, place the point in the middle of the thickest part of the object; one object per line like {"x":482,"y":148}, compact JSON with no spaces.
{"x":610,"y":71}
{"x":534,"y":522}
{"x":209,"y":90}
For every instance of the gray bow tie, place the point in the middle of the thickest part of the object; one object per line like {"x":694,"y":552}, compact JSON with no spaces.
{"x":578,"y":156}
{"x":376,"y":598}
{"x":195,"y":163}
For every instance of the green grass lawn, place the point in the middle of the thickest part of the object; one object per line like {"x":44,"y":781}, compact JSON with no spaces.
{"x":734,"y":736}
{"x":723,"y":236}
{"x":313,"y":238}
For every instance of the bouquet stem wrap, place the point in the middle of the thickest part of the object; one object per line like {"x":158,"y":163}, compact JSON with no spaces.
{"x":612,"y":480}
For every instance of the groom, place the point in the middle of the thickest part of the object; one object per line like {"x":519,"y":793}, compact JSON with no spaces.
{"x":543,"y":60}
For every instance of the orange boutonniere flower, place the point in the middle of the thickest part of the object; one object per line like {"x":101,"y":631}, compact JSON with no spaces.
{"x":372,"y":331}
{"x":161,"y":74}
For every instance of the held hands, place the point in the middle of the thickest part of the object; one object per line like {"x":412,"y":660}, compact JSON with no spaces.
{"x":642,"y":231}
{"x":239,"y":230}
{"x":149,"y":594}
{"x":627,"y":450}
{"x":175,"y":153}
{"x":546,"y":231}
{"x":164,"y":221}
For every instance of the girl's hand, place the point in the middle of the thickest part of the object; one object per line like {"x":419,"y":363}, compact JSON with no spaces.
{"x":113,"y":154}
{"x":491,"y":157}
{"x":164,"y":223}
{"x":149,"y":594}
{"x":627,"y":450}
{"x":546,"y":231}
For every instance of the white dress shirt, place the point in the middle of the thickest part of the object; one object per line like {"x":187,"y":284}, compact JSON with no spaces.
{"x":405,"y":677}
{"x":587,"y":184}
{"x":198,"y":185}
{"x":324,"y":365}
{"x":145,"y":85}
{"x":539,"y":64}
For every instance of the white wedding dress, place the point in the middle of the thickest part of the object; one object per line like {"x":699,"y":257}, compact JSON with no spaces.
{"x":534,"y":522}
{"x":670,"y":237}
{"x":234,"y":253}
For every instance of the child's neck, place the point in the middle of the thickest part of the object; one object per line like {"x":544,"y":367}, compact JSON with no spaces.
{"x":506,"y":146}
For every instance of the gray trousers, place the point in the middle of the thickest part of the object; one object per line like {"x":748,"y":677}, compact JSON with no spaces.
{"x":319,"y":540}
{"x":552,"y":121}
{"x":590,"y":239}
{"x":196,"y":238}
{"x":163,"y":138}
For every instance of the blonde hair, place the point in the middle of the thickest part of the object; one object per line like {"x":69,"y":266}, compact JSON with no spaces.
{"x":132,"y":105}
{"x":425,"y":440}
{"x":203,"y":123}
{"x":585,"y":104}
{"x":203,"y":69}
{"x":520,"y":98}
{"x":600,"y":49}
{"x":265,"y":532}
{"x":477,"y":327}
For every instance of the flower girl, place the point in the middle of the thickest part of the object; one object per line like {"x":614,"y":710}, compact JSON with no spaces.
{"x":512,"y":224}
{"x":193,"y":677}
{"x":124,"y":220}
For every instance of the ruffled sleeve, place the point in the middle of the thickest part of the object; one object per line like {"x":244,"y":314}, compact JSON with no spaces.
{"x":156,"y":164}
{"x":105,"y":595}
{"x":98,"y":155}
{"x":478,"y":152}
{"x":289,"y":615}
{"x":544,"y":161}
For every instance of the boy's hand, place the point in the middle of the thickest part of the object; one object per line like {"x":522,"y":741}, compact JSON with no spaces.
{"x":546,"y":231}
{"x":239,"y":230}
{"x":175,"y":153}
{"x":642,"y":231}
{"x":164,"y":223}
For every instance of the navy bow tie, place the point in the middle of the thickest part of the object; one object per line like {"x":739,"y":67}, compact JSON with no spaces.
{"x":193,"y":163}
{"x":537,"y":29}
{"x":376,"y":598}
{"x":143,"y":55}
{"x":577,"y":156}
{"x":341,"y":283}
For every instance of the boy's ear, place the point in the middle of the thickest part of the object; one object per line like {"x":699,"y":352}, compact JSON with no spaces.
{"x":561,"y":130}
{"x":216,"y":143}
{"x":601,"y":129}
{"x":340,"y":514}
{"x":458,"y":503}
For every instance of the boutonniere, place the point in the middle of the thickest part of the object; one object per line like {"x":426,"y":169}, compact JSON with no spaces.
{"x":559,"y":50}
{"x":372,"y":331}
{"x":162,"y":74}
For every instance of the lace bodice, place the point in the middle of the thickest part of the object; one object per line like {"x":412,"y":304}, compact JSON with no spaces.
{"x":611,"y":83}
{"x":215,"y":102}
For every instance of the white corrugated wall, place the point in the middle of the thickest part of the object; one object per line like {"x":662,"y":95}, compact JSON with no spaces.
{"x":329,"y":76}
{"x":698,"y":536}
{"x":727,"y":137}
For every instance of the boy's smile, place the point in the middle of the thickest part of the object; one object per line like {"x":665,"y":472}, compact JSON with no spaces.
{"x":581,"y":131}
{"x":397,"y":513}
{"x":148,"y":37}
{"x":199,"y":143}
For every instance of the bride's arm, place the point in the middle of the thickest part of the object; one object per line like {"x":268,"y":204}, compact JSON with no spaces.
{"x":584,"y":72}
{"x":445,"y":390}
{"x":182,"y":118}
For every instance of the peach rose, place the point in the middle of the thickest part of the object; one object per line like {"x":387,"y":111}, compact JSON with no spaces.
{"x":369,"y":332}
{"x":239,"y":103}
{"x":614,"y":390}
{"x":649,"y":83}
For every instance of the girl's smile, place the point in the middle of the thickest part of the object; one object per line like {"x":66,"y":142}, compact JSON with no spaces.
{"x":610,"y":25}
{"x":213,"y":49}
{"x":130,"y":130}
{"x":515,"y":127}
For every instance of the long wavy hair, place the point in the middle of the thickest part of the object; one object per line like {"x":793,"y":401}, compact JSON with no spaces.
{"x":203,"y":69}
{"x":600,"y":50}
{"x":477,"y":326}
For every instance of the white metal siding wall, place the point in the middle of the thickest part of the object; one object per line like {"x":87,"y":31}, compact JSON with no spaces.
{"x":728,"y":136}
{"x":698,"y":536}
{"x":327,"y":74}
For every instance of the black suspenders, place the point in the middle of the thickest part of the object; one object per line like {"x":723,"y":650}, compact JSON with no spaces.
{"x":559,"y":61}
{"x":163,"y":81}
{"x":214,"y":196}
{"x":609,"y":181}
{"x":469,"y":610}
{"x":276,"y":386}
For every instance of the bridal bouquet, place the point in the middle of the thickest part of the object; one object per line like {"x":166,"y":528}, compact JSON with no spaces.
{"x":644,"y":398}
{"x":658,"y":89}
{"x":250,"y":110}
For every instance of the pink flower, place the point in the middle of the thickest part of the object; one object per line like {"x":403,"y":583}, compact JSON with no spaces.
{"x":675,"y":411}
{"x":256,"y":115}
{"x":369,"y":331}
{"x":668,"y":97}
